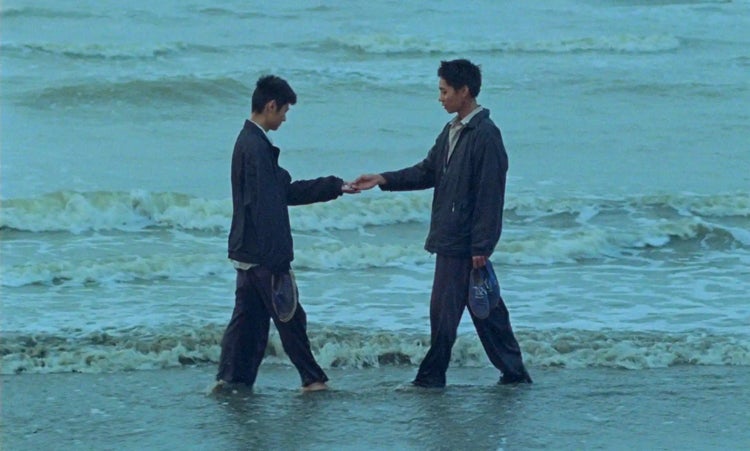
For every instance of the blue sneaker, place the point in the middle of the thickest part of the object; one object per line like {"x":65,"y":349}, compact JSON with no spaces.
{"x":284,"y":296}
{"x":484,"y":291}
{"x":479,"y":302}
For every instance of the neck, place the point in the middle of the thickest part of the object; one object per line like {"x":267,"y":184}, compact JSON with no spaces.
{"x":260,"y":119}
{"x":467,"y":108}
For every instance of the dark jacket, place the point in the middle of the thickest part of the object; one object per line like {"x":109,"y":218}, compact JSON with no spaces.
{"x":467,"y":204}
{"x":261,"y":191}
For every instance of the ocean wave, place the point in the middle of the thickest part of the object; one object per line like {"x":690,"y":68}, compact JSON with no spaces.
{"x":78,"y":212}
{"x":163,"y":267}
{"x":115,"y":270}
{"x":384,"y":44}
{"x":661,"y":205}
{"x":360,"y":79}
{"x":670,"y":88}
{"x":181,"y":90}
{"x":110,"y":51}
{"x":682,"y":215}
{"x":345,"y":233}
{"x":541,"y":247}
{"x":218,"y":11}
{"x":145,"y":349}
{"x":46,"y":13}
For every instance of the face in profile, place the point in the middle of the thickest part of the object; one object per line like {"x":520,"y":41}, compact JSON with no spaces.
{"x":276,"y":116}
{"x":451,"y":98}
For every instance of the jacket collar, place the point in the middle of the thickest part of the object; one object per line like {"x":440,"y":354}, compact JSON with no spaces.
{"x":255,"y":129}
{"x":479,"y":117}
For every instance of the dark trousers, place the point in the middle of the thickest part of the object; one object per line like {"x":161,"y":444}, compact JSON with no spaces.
{"x":246,"y":336}
{"x":450,"y":294}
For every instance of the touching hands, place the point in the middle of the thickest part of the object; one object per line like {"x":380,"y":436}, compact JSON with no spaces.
{"x":363,"y":182}
{"x":348,"y":188}
{"x":367,"y":181}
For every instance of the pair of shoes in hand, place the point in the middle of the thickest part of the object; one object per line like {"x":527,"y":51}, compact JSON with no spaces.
{"x":484,"y":291}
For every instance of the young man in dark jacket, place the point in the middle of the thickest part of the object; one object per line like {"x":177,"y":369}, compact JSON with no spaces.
{"x":261,"y":249}
{"x":467,"y":168}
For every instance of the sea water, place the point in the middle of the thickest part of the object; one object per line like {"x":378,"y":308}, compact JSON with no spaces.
{"x":626,"y":239}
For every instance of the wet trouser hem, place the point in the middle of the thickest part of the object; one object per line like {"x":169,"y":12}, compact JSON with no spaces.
{"x":522,"y":378}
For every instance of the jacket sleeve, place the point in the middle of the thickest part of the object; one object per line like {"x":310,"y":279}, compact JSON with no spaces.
{"x":490,"y":167}
{"x":322,"y":189}
{"x":419,"y":176}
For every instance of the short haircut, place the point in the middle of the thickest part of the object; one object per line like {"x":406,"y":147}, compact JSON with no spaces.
{"x":460,"y":73}
{"x":271,"y":87}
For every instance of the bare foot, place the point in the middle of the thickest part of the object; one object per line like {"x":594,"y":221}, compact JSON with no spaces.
{"x":219,"y":387}
{"x":315,"y":386}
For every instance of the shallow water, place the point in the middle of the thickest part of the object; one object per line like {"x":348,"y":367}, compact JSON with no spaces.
{"x":676,"y":408}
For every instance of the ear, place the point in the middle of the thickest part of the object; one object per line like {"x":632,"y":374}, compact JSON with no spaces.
{"x":270,"y":107}
{"x":464,"y":92}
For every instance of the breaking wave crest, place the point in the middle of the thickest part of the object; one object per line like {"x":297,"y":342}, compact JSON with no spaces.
{"x":350,"y":233}
{"x":145,"y":349}
{"x":77,"y":212}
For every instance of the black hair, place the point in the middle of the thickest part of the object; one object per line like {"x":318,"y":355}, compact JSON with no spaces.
{"x":460,"y":73}
{"x":271,"y":87}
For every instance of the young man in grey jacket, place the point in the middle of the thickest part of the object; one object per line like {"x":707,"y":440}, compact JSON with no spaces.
{"x":467,"y":169}
{"x":261,"y":248}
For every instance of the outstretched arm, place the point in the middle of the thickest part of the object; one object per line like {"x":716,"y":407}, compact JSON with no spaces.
{"x":322,"y":189}
{"x":420,"y":176}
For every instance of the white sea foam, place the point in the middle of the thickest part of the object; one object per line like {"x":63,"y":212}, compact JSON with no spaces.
{"x":80,"y":211}
{"x":141,"y":349}
{"x":525,"y":249}
{"x":114,"y":270}
{"x":376,"y":232}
